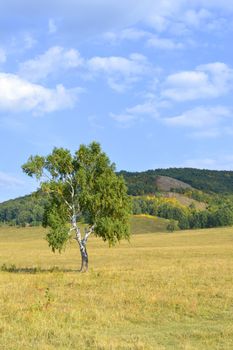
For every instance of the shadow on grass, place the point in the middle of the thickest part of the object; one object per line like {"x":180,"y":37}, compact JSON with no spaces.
{"x":33,"y":270}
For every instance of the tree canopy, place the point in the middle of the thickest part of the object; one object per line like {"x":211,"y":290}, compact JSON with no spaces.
{"x":83,"y":186}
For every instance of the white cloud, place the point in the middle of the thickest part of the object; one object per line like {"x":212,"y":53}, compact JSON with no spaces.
{"x":196,"y":18}
{"x":117,"y":64}
{"x":200,"y":117}
{"x":120,"y":72}
{"x":197,"y":14}
{"x":2,"y":56}
{"x":133,"y":34}
{"x":137,"y":113}
{"x":164,"y":43}
{"x":7,"y":180}
{"x":18,"y":95}
{"x":109,"y":15}
{"x":151,"y":40}
{"x":52,"y":61}
{"x":206,"y":81}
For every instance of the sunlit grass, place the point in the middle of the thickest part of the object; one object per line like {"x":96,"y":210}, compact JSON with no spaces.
{"x":160,"y":291}
{"x":148,"y":224}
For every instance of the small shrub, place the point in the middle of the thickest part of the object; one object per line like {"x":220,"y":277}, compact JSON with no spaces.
{"x":11,"y":268}
{"x":172,"y":226}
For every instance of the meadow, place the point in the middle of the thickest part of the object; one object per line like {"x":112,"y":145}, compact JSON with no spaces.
{"x":158,"y":291}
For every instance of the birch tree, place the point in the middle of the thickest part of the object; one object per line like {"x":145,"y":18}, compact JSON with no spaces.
{"x":83,"y":186}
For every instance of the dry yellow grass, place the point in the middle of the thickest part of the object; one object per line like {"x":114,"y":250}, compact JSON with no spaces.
{"x":160,"y":291}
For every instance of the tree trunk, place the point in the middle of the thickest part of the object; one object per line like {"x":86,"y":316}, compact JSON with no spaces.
{"x":82,"y":245}
{"x":84,"y":257}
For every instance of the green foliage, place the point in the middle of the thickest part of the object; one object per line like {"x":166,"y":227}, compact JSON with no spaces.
{"x":175,"y":212}
{"x":112,"y":230}
{"x":57,"y":237}
{"x":28,"y":210}
{"x":58,"y":234}
{"x":218,"y":213}
{"x":102,"y":194}
{"x":172,"y":226}
{"x":199,"y":219}
{"x":140,"y":183}
{"x":34,"y":166}
{"x":81,"y":186}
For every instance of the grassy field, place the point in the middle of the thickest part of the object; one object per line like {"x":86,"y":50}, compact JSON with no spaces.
{"x":141,"y":224}
{"x":160,"y":291}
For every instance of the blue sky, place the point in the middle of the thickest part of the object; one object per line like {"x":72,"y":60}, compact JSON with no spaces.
{"x":150,"y":80}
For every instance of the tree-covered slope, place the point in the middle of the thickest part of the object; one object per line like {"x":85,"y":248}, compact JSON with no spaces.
{"x":202,"y":179}
{"x":23,"y":210}
{"x":29,"y":209}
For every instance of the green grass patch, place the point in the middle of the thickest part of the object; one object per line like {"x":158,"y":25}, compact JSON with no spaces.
{"x":148,"y":224}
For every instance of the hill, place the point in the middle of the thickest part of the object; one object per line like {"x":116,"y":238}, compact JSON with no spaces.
{"x":28,"y":209}
{"x":166,"y":184}
{"x":180,"y":188}
{"x":212,"y":181}
{"x":186,"y":201}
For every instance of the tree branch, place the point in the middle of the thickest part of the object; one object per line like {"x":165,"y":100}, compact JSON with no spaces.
{"x":78,"y":235}
{"x":87,"y":234}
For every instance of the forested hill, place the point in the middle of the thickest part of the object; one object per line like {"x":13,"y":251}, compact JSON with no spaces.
{"x":206,"y":180}
{"x":29,"y":209}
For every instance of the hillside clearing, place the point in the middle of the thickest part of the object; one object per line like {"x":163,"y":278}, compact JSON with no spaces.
{"x":184,"y":200}
{"x":166,"y":183}
{"x":160,"y":291}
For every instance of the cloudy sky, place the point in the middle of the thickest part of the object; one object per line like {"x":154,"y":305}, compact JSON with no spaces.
{"x":150,"y":80}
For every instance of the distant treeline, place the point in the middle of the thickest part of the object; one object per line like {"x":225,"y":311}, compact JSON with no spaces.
{"x":219,"y":211}
{"x":140,"y":183}
{"x":27,"y":210}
